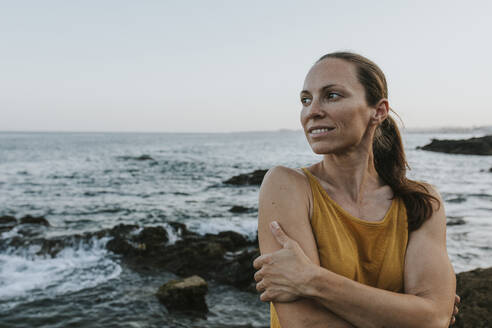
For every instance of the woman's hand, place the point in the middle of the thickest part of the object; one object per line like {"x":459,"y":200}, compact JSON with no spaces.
{"x":283,"y":276}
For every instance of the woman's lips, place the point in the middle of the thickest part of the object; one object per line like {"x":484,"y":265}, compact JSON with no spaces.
{"x":320,"y":132}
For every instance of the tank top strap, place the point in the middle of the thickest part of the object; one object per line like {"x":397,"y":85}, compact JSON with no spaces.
{"x":309,"y":175}
{"x":316,"y":187}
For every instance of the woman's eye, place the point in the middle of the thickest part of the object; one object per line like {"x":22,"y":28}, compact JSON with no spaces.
{"x":332,"y":95}
{"x":305,"y":100}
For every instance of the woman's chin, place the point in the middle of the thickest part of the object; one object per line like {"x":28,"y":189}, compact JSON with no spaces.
{"x":322,"y":149}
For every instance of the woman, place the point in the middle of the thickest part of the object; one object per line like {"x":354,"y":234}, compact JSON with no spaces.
{"x":350,"y":241}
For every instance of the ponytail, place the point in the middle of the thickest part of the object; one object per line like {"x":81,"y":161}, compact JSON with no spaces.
{"x":391,"y":165}
{"x":389,"y":155}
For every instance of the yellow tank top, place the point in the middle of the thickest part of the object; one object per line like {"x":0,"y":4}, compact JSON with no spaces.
{"x":372,"y":253}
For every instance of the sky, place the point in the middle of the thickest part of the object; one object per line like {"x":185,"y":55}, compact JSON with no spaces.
{"x":224,"y":66}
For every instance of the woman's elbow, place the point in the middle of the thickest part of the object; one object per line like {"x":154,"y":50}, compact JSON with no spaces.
{"x":437,"y":318}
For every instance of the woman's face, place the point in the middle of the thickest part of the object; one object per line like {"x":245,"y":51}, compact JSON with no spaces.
{"x":335,"y":115}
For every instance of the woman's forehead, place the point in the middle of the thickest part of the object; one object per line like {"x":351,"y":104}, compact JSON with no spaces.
{"x":331,"y":71}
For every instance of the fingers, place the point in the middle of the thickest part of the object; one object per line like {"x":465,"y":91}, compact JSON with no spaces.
{"x":258,"y":275}
{"x":259,"y":261}
{"x":279,"y":234}
{"x":261,"y":286}
{"x":267,"y":296}
{"x":457,"y":301}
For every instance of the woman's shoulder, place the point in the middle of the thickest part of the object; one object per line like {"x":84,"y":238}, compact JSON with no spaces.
{"x":284,"y":185}
{"x":286,"y":176}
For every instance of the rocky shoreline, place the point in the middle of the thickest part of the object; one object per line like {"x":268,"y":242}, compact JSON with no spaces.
{"x":473,"y":146}
{"x":475,"y":290}
{"x":225,"y":258}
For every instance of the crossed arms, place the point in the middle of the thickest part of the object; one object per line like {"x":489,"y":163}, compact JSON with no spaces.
{"x":307,"y":295}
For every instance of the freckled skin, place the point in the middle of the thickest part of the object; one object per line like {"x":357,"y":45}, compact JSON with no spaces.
{"x":346,"y":111}
{"x":332,"y":96}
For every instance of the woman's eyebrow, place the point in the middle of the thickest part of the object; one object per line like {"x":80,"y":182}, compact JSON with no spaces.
{"x":324,"y":88}
{"x":329,"y":86}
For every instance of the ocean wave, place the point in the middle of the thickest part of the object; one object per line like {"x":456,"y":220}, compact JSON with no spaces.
{"x":244,"y":226}
{"x":26,"y":276}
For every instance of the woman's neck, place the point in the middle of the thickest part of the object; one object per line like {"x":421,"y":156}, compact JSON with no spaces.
{"x":352,"y":174}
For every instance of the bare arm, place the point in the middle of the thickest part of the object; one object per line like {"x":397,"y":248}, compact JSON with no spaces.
{"x":283,"y":197}
{"x":429,"y":284}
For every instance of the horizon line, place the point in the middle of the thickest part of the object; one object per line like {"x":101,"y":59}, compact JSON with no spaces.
{"x":431,"y":128}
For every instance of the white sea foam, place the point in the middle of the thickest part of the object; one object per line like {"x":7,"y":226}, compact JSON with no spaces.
{"x":244,"y":226}
{"x":171,"y":234}
{"x":25,"y":276}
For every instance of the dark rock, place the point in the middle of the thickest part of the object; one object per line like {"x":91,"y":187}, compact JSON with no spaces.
{"x":490,"y":170}
{"x":452,"y":221}
{"x":475,"y":290}
{"x":239,"y":271}
{"x":188,"y":257}
{"x":458,"y":199}
{"x":7,"y":222}
{"x":144,"y":158}
{"x":147,"y":243}
{"x":152,"y":235}
{"x":240,"y":209}
{"x":119,"y":245}
{"x":193,"y":254}
{"x":472,"y":146}
{"x":252,"y":178}
{"x":181,"y":229}
{"x":225,"y":257}
{"x":232,"y":240}
{"x":34,"y":220}
{"x":122,"y":229}
{"x":52,"y":247}
{"x":184,"y":295}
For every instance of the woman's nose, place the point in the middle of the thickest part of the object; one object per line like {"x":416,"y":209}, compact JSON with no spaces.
{"x":315,"y":110}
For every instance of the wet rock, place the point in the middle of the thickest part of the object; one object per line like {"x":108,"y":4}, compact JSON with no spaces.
{"x":188,"y":257}
{"x":193,"y":254}
{"x":240,"y":209}
{"x":181,"y":230}
{"x":144,"y":158}
{"x":52,"y":247}
{"x":34,"y":220}
{"x":231,"y":240}
{"x":119,"y":245}
{"x":130,"y":242}
{"x":184,"y":295}
{"x":225,"y":257}
{"x":122,"y":229}
{"x":453,"y":221}
{"x":239,"y":271}
{"x":472,"y":146}
{"x":457,"y":200}
{"x":475,"y":290}
{"x":252,"y":178}
{"x":7,"y":222}
{"x":152,"y":235}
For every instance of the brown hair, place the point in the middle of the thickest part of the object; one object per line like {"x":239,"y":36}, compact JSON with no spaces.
{"x":389,"y":155}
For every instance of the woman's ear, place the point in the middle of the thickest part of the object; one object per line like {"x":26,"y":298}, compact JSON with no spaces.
{"x":381,"y":112}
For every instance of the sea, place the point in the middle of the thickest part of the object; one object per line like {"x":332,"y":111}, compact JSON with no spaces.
{"x":84,"y":182}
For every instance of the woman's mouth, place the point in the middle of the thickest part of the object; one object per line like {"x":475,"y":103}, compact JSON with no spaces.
{"x":320,"y":132}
